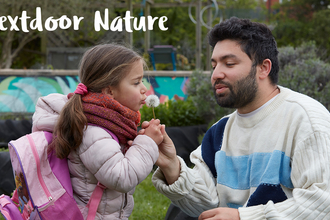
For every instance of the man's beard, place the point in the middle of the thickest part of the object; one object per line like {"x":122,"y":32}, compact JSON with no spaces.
{"x":241,"y":93}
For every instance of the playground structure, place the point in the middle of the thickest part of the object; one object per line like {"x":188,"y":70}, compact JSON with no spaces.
{"x":163,"y":54}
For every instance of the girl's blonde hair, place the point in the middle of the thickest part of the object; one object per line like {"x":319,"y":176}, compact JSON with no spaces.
{"x":100,"y":67}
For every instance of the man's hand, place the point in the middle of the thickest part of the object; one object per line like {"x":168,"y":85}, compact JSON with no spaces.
{"x":220,"y":214}
{"x":167,"y":161}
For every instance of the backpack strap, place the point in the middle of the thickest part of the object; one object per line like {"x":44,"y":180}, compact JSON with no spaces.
{"x":110,"y":132}
{"x":95,"y":199}
{"x":3,"y":203}
{"x":9,"y":209}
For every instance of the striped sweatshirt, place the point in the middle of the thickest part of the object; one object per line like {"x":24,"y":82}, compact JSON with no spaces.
{"x":274,"y":164}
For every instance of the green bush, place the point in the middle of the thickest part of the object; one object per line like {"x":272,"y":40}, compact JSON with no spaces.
{"x":15,"y":116}
{"x":293,"y":26}
{"x":303,"y":71}
{"x":199,"y":89}
{"x":174,"y":113}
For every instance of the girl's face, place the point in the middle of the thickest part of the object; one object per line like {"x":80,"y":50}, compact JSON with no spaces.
{"x":131,"y":92}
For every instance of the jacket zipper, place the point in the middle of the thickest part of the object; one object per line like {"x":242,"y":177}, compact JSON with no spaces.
{"x":123,"y":205}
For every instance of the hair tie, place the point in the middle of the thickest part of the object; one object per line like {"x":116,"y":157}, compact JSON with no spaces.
{"x":81,"y":89}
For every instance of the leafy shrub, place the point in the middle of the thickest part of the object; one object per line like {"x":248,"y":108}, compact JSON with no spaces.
{"x":15,"y":116}
{"x":199,"y":89}
{"x":320,"y":30}
{"x":303,"y":71}
{"x":174,"y":113}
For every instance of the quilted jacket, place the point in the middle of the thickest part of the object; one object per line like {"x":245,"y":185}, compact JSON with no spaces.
{"x":99,"y":158}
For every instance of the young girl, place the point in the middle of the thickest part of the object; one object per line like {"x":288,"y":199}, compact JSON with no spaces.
{"x":108,"y":98}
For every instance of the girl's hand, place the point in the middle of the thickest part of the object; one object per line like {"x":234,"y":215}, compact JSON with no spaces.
{"x":144,"y":125}
{"x":154,"y":131}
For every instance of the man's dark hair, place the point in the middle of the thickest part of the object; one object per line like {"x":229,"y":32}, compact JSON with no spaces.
{"x":255,"y":39}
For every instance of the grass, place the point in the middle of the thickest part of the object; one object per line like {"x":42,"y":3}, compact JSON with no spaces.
{"x":149,"y":204}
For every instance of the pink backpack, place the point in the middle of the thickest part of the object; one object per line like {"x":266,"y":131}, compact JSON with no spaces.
{"x":43,"y":185}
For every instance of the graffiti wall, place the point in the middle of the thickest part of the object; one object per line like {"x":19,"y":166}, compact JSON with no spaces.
{"x":20,"y":93}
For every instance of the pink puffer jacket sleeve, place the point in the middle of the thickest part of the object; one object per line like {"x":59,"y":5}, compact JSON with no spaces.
{"x":47,"y":112}
{"x":102,"y":156}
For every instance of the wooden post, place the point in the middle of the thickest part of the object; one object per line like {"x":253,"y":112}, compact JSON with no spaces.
{"x":198,"y":34}
{"x":129,"y":35}
{"x":43,"y":41}
{"x":208,"y":47}
{"x":147,"y":32}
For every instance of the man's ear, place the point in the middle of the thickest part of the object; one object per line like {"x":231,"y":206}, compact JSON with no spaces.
{"x":264,"y":68}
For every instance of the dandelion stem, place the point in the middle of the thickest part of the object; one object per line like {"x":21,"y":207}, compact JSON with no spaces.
{"x":153,"y":111}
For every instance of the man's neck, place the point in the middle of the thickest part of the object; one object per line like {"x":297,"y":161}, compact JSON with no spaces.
{"x":262,"y":97}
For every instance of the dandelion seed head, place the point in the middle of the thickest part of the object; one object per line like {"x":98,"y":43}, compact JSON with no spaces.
{"x":152,"y":101}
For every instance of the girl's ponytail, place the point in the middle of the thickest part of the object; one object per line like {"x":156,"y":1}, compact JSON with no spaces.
{"x":70,"y":127}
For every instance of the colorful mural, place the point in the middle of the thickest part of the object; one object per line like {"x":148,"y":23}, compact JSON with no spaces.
{"x":20,"y":93}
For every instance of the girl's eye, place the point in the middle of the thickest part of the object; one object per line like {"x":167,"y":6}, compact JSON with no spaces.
{"x":230,"y":64}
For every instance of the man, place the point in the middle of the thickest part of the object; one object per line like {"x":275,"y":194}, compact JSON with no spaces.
{"x":273,"y":160}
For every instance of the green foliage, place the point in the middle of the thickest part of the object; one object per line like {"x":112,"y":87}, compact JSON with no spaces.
{"x":199,"y":89}
{"x":3,"y":149}
{"x":245,"y":4}
{"x":149,"y":204}
{"x":320,"y":29}
{"x":302,"y":21}
{"x":174,"y":113}
{"x":303,"y":71}
{"x":291,"y":55}
{"x":15,"y":116}
{"x":301,"y":10}
{"x":291,"y":33}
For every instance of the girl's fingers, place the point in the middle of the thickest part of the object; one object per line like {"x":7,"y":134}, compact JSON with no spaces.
{"x":145,"y":124}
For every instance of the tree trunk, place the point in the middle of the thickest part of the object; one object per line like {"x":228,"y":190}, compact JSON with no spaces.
{"x":5,"y":59}
{"x":8,"y":54}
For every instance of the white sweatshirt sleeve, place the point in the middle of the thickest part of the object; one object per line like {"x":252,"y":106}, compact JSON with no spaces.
{"x":194,"y":191}
{"x":311,"y":180}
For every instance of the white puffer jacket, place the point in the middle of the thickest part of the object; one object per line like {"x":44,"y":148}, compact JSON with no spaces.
{"x":99,"y":158}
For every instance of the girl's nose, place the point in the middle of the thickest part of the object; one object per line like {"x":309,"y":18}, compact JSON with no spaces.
{"x":144,"y":89}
